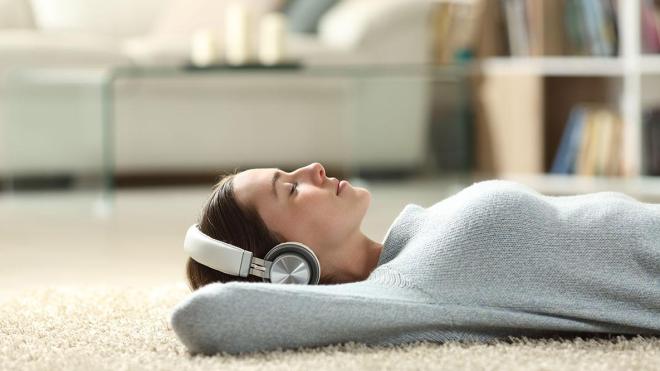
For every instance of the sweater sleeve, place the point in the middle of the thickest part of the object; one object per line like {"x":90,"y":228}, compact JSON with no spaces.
{"x":238,"y":317}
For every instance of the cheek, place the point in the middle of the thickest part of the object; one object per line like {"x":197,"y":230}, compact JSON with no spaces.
{"x":318,"y":212}
{"x":295,"y":222}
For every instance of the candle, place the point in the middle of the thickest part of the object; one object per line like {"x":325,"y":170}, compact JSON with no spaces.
{"x":204,"y":50}
{"x":237,"y":34}
{"x":271,"y":38}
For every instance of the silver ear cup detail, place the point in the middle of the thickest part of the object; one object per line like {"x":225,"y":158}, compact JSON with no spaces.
{"x":293,"y":268}
{"x":289,"y":268}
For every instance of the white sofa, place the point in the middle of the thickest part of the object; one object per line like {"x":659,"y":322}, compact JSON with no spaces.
{"x":201,"y":123}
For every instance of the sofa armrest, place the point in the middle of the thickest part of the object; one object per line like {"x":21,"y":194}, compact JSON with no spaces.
{"x":16,"y":14}
{"x":384,"y":27}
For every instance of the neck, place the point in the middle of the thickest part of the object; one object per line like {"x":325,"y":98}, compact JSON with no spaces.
{"x":363,"y":256}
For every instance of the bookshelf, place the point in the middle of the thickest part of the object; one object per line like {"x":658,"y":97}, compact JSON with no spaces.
{"x":625,"y":81}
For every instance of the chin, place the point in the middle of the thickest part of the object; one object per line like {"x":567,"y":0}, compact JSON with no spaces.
{"x":364,"y":193}
{"x":360,"y":192}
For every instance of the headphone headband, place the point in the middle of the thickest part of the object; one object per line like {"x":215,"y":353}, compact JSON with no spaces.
{"x":216,"y":254}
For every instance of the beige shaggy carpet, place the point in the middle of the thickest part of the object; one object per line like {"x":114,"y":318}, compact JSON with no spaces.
{"x":113,"y":328}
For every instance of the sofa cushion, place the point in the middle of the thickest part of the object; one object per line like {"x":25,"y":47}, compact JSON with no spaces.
{"x":385,"y":31}
{"x":15,"y":14}
{"x":312,"y":52}
{"x":21,"y":47}
{"x":304,"y":15}
{"x":117,"y":18}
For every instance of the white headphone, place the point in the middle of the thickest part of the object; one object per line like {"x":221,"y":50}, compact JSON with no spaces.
{"x":288,"y":262}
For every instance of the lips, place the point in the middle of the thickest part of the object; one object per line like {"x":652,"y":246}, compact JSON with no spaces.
{"x":341,"y":185}
{"x":338,"y":183}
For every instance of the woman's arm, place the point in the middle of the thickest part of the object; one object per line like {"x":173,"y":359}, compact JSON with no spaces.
{"x":243,"y":317}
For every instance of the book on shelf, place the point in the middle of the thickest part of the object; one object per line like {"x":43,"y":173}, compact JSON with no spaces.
{"x":591,"y":143}
{"x":565,"y":159}
{"x":650,"y":10}
{"x":455,"y":29}
{"x":490,"y":28}
{"x":517,"y":32}
{"x":651,"y":135}
{"x":558,"y":27}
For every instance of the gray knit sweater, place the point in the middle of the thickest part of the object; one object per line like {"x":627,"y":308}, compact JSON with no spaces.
{"x":496,"y":259}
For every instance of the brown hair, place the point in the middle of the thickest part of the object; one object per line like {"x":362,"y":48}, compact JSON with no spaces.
{"x":223,"y":219}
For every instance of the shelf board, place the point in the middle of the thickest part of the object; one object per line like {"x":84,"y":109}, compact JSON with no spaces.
{"x":650,"y":64}
{"x":645,"y":188}
{"x":555,"y":66}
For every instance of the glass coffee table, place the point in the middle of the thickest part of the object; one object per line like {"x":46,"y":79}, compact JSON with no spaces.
{"x":60,"y":123}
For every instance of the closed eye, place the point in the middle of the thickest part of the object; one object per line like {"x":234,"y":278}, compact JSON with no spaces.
{"x":294,"y":186}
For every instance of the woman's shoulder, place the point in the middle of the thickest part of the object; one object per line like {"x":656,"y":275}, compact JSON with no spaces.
{"x":485,"y":191}
{"x":488,"y":200}
{"x":498,"y":191}
{"x":498,"y":185}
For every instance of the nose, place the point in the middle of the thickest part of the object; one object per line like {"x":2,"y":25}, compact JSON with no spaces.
{"x":316,"y":172}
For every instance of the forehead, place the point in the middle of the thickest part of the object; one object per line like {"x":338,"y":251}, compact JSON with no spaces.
{"x":252,"y":185}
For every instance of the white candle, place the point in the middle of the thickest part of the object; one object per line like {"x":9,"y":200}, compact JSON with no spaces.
{"x":204,"y":49}
{"x":272,"y":38}
{"x":237,"y":34}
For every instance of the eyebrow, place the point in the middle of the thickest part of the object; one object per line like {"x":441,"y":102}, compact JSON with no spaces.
{"x":276,"y":176}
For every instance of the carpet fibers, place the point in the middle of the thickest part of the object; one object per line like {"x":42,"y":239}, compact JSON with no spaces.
{"x":122,"y":328}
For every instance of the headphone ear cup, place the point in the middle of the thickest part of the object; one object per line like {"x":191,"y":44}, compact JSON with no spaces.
{"x":289,"y":256}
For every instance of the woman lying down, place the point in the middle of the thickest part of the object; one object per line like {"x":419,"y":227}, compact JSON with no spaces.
{"x":496,"y":259}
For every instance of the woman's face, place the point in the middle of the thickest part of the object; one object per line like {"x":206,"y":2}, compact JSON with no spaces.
{"x":312,"y":213}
